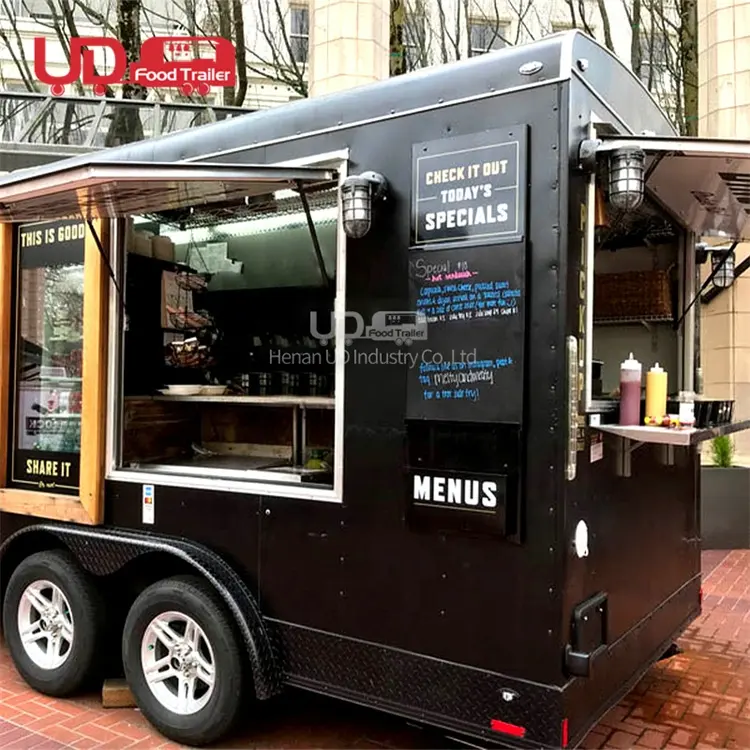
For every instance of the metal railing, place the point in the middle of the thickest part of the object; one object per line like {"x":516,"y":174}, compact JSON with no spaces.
{"x":79,"y":122}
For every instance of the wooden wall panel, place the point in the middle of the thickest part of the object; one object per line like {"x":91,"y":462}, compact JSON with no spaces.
{"x":22,"y":502}
{"x":94,"y":399}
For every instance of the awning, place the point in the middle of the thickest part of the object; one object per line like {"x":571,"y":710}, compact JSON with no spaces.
{"x":119,"y":189}
{"x":703,"y":182}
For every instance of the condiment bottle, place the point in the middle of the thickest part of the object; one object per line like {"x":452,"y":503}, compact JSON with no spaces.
{"x":656,"y":395}
{"x":630,"y":391}
{"x":687,"y":408}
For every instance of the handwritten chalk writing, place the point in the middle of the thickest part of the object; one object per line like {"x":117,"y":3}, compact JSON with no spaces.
{"x":421,"y":269}
{"x":457,"y":375}
{"x":452,"y":302}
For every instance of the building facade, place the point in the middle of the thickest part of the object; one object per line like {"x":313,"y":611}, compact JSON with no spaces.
{"x":297,"y":48}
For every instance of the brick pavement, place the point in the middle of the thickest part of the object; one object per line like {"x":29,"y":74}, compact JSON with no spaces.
{"x":698,"y":699}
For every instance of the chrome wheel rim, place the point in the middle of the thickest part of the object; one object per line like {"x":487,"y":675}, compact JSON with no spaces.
{"x":178,"y":663}
{"x":45,"y":625}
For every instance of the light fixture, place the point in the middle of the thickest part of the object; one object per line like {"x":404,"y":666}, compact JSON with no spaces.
{"x":358,"y":193}
{"x":722,"y":267}
{"x":627,"y":168}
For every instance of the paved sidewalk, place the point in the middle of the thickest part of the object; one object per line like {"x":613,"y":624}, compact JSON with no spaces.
{"x":699,"y":699}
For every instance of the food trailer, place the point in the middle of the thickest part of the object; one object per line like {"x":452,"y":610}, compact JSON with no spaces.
{"x":224,"y":476}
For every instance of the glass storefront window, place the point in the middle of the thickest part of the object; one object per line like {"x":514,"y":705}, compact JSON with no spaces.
{"x":49,"y":349}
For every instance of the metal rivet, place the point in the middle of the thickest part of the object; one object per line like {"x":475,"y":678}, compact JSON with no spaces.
{"x":268,"y":512}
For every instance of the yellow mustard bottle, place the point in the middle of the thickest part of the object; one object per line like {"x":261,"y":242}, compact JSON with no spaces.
{"x":656,"y":395}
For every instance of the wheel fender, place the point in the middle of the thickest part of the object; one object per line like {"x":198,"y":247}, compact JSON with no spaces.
{"x":105,"y":551}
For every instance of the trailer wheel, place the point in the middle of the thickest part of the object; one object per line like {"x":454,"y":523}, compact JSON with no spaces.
{"x":53,"y":618}
{"x":183,"y":661}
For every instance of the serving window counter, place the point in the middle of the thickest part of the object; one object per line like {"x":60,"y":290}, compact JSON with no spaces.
{"x":351,"y":393}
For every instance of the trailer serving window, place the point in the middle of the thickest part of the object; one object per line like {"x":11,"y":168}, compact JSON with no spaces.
{"x":653,"y":203}
{"x":150,"y":337}
{"x":228,"y":358}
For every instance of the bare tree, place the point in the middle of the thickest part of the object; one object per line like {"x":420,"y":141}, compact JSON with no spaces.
{"x":664,"y":54}
{"x":280,"y":57}
{"x":663,"y":51}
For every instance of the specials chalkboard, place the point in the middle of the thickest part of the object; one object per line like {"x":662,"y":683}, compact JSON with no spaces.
{"x":470,"y":189}
{"x":469,"y":366}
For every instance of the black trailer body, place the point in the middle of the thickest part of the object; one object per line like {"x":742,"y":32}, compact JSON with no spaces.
{"x":482,"y":616}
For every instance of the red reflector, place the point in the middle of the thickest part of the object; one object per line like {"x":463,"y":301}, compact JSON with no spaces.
{"x":501,"y":726}
{"x":564,"y":732}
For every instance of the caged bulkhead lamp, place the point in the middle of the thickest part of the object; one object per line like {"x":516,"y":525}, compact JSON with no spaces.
{"x":722,"y":267}
{"x":627,"y":167}
{"x":358,"y":193}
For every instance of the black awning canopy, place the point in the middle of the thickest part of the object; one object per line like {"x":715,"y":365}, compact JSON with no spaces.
{"x":704,"y":183}
{"x":119,"y":189}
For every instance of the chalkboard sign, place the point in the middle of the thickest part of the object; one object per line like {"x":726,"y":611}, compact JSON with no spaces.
{"x":470,"y":189}
{"x":469,"y":367}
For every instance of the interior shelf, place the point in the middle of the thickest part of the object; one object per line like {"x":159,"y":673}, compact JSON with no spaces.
{"x":632,"y":320}
{"x":305,"y":402}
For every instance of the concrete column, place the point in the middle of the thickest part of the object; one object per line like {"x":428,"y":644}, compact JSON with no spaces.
{"x":349,"y":44}
{"x":724,"y":112}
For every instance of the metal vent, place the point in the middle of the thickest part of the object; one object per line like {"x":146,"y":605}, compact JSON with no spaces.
{"x":739,"y":184}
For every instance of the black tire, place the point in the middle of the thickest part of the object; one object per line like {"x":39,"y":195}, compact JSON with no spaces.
{"x":83,"y":661}
{"x":195,"y":598}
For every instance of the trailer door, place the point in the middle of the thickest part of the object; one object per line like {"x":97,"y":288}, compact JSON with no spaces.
{"x":703,"y":182}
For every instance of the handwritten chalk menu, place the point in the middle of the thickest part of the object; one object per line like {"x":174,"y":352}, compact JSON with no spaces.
{"x":469,"y":368}
{"x":470,"y":189}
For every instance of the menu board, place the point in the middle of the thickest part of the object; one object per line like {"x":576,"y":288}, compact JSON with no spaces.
{"x":469,"y":367}
{"x":470,"y":189}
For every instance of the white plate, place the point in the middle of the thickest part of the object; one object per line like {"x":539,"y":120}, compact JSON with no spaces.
{"x":213,"y":390}
{"x":182,"y":390}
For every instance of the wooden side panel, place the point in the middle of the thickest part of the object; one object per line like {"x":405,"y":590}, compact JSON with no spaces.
{"x":6,"y":299}
{"x":94,"y":399}
{"x":43,"y":505}
{"x":88,"y":509}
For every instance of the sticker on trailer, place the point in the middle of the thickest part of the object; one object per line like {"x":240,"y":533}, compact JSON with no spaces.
{"x":148,"y":503}
{"x":597,"y":447}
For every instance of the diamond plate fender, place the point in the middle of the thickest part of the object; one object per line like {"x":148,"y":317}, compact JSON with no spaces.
{"x":105,"y":551}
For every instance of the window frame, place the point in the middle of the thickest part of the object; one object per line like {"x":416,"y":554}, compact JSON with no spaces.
{"x":496,"y":26}
{"x":660,"y":69}
{"x":294,"y":37}
{"x":114,"y":472}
